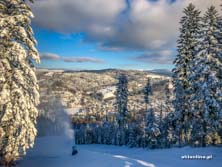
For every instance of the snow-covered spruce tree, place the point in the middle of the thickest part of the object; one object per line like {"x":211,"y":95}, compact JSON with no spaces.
{"x":112,"y":133}
{"x":143,"y":134}
{"x":132,"y":136}
{"x":187,"y":47}
{"x":170,"y":133}
{"x":219,"y":37}
{"x":151,"y":127}
{"x":18,"y":84}
{"x":115,"y":132}
{"x":122,"y":101}
{"x":152,"y":130}
{"x":168,"y":95}
{"x":107,"y":133}
{"x":89,"y":134}
{"x":162,"y":127}
{"x":80,"y":135}
{"x":98,"y":134}
{"x":206,"y":82}
{"x":147,"y":93}
{"x":167,"y":126}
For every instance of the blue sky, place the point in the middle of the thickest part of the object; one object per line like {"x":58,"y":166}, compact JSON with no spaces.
{"x":123,"y":34}
{"x":75,"y":46}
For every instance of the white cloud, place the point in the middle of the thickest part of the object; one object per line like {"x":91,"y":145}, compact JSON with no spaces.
{"x":69,"y":16}
{"x":73,"y":59}
{"x":144,"y":25}
{"x":160,"y":57}
{"x":49,"y":56}
{"x":81,"y":60}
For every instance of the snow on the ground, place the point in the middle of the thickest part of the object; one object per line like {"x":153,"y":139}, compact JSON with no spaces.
{"x":56,"y":152}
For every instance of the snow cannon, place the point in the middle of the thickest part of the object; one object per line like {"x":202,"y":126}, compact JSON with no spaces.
{"x":74,"y":150}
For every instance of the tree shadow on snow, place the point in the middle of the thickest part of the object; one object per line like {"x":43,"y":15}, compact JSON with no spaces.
{"x":133,"y":162}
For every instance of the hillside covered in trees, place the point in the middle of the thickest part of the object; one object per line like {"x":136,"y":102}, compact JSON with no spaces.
{"x":196,"y":119}
{"x":139,"y":109}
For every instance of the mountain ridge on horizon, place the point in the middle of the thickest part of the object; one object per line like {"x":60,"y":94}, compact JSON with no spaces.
{"x":155,"y":71}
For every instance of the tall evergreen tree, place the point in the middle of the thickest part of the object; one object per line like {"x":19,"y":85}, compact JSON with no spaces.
{"x":206,"y":82}
{"x":122,"y":101}
{"x":219,"y":37}
{"x":169,"y":132}
{"x":187,"y":47}
{"x":18,"y":84}
{"x":152,"y":129}
{"x":162,"y":126}
{"x":147,"y":93}
{"x":132,"y":136}
{"x":168,"y":95}
{"x":167,"y":128}
{"x":141,"y":134}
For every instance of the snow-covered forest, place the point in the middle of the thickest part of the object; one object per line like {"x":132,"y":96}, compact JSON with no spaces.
{"x":190,"y":116}
{"x":196,"y":119}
